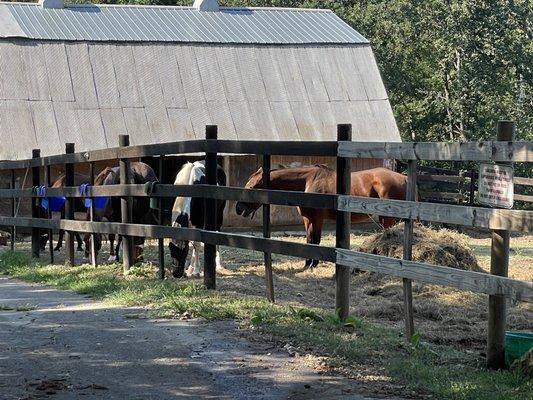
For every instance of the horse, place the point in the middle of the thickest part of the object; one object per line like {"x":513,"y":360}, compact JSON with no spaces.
{"x":140,"y":173}
{"x":188,"y":212}
{"x":377,"y":182}
{"x":57,"y":204}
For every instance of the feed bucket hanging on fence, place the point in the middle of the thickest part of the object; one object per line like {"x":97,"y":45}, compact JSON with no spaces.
{"x":55,"y":203}
{"x":99,"y":202}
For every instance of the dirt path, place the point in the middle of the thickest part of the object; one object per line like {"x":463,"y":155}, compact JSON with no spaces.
{"x":59,"y":345}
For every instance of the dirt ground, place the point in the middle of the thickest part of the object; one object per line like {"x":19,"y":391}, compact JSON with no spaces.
{"x":65,"y":346}
{"x":442,"y":315}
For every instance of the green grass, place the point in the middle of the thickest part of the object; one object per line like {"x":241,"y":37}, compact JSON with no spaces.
{"x":437,"y":371}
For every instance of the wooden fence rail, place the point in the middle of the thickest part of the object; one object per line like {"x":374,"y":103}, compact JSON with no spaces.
{"x":341,"y":202}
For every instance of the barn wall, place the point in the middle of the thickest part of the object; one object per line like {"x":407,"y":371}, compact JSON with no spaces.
{"x":239,"y":169}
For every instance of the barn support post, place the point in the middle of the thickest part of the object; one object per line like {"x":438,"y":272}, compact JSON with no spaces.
{"x":48,"y":180}
{"x":343,"y":221}
{"x":161,"y":241}
{"x":94,"y":259}
{"x":410,"y":195}
{"x":69,"y":204}
{"x":35,"y":203}
{"x":266,"y":229}
{"x":210,"y":205}
{"x":125,"y":202}
{"x":499,"y":265}
{"x":13,"y":210}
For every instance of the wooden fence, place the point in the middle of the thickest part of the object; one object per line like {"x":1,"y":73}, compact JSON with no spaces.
{"x":497,"y":285}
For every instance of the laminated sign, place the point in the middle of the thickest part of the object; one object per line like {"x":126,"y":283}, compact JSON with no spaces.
{"x":496,"y":187}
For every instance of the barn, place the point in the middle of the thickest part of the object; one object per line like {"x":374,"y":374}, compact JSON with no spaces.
{"x":87,"y":73}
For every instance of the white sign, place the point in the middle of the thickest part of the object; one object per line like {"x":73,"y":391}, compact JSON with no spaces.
{"x":496,"y":187}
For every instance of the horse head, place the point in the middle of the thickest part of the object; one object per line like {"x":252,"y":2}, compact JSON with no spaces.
{"x":247,"y":209}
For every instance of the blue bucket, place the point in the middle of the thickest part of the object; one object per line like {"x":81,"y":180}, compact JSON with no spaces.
{"x":99,"y":202}
{"x":55,"y":203}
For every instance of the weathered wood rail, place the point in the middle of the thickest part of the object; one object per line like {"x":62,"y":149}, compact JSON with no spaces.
{"x":342,"y":203}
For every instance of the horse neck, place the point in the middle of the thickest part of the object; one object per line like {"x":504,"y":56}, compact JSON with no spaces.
{"x":289,"y":179}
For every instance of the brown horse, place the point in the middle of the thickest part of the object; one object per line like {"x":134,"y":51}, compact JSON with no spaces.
{"x":377,"y":182}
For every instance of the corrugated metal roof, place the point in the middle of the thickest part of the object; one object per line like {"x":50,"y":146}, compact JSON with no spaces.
{"x":175,"y":24}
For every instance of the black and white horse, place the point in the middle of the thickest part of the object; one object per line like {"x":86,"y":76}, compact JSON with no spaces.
{"x":188,"y":212}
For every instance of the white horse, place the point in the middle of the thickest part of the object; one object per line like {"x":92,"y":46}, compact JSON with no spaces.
{"x":187,"y":213}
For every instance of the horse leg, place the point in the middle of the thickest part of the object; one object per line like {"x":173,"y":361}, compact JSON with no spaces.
{"x":316,"y":235}
{"x":196,"y":246}
{"x":309,"y":234}
{"x":218,"y":261}
{"x":117,"y":247}
{"x":80,"y":241}
{"x":112,"y":254}
{"x":59,"y":240}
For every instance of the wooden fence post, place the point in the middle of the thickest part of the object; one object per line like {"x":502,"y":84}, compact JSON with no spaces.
{"x":210,"y":207}
{"x":69,"y":204}
{"x":499,"y":265}
{"x":343,"y":222}
{"x":266,"y":229}
{"x":410,"y":195}
{"x":48,"y":180}
{"x":92,"y":210}
{"x":125,"y":202}
{"x":13,"y":210}
{"x":161,"y":241}
{"x":35,"y":204}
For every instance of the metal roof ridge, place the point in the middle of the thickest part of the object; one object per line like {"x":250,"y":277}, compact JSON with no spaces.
{"x":87,"y":5}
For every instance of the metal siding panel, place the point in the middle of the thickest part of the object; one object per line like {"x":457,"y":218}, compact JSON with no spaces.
{"x":45,"y":126}
{"x":210,"y":74}
{"x":290,"y":72}
{"x":147,"y":67}
{"x":284,"y":120}
{"x":350,"y":75}
{"x":12,"y":73}
{"x":104,"y":75}
{"x":330,"y":73}
{"x":137,"y":126}
{"x":229,"y":71}
{"x":82,"y":75}
{"x":314,"y":86}
{"x":251,"y":77}
{"x":366,"y":64}
{"x":56,"y":60}
{"x":17,"y":117}
{"x":158,"y":123}
{"x":387,"y":128}
{"x":307,"y":127}
{"x":36,"y":73}
{"x":169,"y":75}
{"x":92,"y":130}
{"x":125,"y":73}
{"x":68,"y":126}
{"x":221,"y":116}
{"x":200,"y":117}
{"x":8,"y":150}
{"x":114,"y":124}
{"x":190,"y":74}
{"x":325,"y":119}
{"x":365,"y":127}
{"x":271,"y":73}
{"x":180,"y":124}
{"x":262,"y":122}
{"x":241,"y":115}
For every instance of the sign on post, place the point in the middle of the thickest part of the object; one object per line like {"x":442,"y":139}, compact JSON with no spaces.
{"x":496,"y":187}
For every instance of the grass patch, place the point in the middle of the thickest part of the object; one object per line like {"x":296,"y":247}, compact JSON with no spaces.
{"x":433,"y":370}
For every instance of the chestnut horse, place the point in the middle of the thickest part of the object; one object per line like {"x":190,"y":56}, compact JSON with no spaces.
{"x":376,"y":182}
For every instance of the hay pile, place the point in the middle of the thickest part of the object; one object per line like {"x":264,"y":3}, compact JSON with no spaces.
{"x":437,"y":247}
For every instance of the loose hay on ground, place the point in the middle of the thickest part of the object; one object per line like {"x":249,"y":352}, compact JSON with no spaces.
{"x":437,"y":247}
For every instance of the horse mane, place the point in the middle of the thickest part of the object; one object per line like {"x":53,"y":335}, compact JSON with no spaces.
{"x":102,"y":176}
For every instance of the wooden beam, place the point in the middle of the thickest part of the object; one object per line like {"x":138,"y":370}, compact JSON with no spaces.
{"x":269,"y":276}
{"x":125,"y":207}
{"x":36,"y":208}
{"x":477,"y":217}
{"x":210,"y":208}
{"x":438,"y":151}
{"x":465,"y":280}
{"x":410,"y":195}
{"x":69,"y":205}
